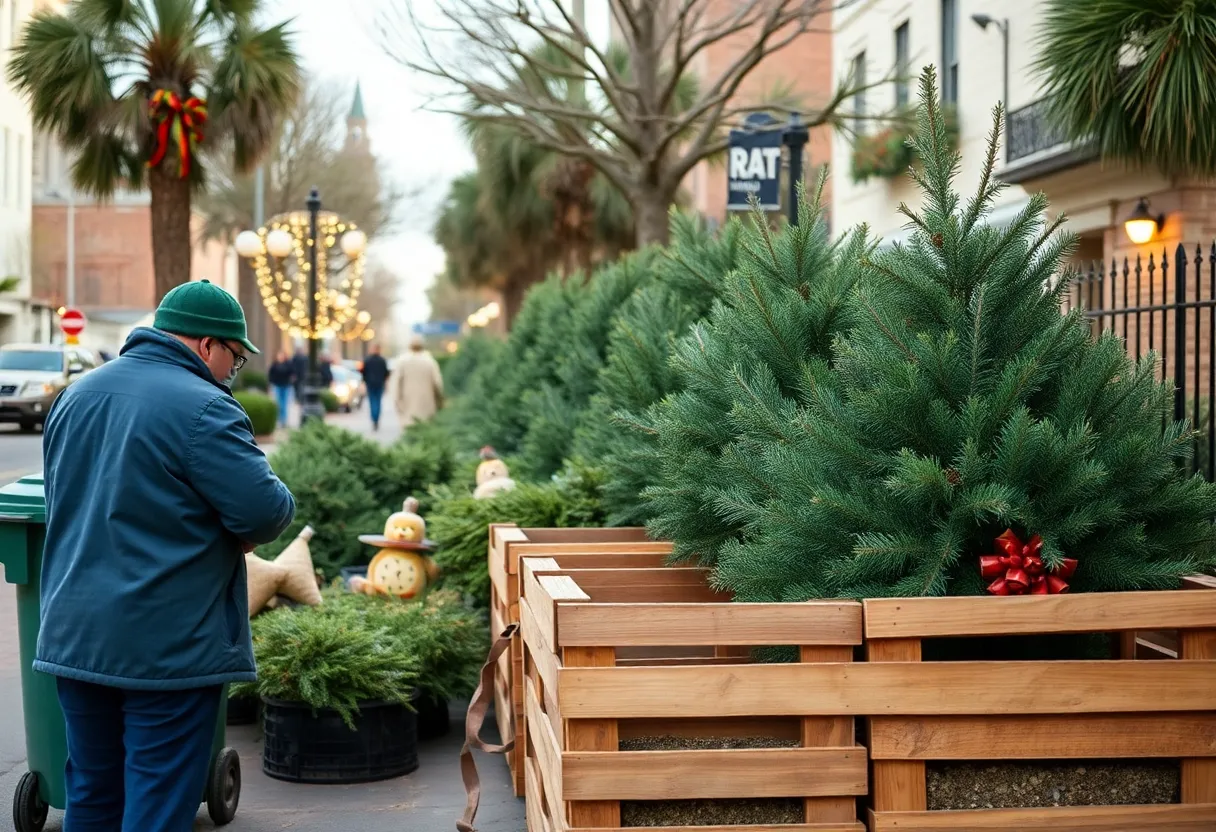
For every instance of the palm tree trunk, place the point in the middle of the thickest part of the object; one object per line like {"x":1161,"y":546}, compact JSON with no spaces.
{"x":172,"y":244}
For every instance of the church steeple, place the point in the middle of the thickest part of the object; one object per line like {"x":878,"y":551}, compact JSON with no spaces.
{"x":356,"y":124}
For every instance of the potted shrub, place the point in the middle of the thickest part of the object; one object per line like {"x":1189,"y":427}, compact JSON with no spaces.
{"x":448,"y":639}
{"x":337,"y":693}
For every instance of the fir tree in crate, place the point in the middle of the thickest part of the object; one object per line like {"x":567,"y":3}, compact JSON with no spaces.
{"x":961,"y":403}
{"x":617,"y":428}
{"x":741,"y":373}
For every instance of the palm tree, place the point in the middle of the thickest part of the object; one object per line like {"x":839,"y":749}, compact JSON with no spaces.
{"x":138,"y":88}
{"x":1134,"y":78}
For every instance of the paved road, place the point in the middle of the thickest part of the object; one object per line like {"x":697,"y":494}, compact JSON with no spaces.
{"x":430,"y":799}
{"x":20,"y":453}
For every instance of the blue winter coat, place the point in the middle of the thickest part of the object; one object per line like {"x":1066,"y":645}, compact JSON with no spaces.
{"x":153,"y":480}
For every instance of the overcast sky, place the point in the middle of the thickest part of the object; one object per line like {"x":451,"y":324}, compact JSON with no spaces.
{"x":419,"y":148}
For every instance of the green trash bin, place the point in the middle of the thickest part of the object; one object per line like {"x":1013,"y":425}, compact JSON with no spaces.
{"x":22,"y":536}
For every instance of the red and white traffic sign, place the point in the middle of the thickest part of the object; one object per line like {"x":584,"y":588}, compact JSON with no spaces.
{"x":72,"y":322}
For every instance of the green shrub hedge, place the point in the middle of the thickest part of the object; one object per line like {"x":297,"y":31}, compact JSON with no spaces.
{"x":262,"y":410}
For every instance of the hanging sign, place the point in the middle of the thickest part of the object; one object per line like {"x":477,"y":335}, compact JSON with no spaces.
{"x":754,"y":164}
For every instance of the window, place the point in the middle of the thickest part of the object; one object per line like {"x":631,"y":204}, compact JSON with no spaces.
{"x":857,"y":77}
{"x":12,"y":22}
{"x":949,"y":51}
{"x":20,"y":171}
{"x":901,"y":65}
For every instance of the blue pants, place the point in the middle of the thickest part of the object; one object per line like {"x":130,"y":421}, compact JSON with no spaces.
{"x":374,"y":396}
{"x":282,"y":394}
{"x":137,"y":760}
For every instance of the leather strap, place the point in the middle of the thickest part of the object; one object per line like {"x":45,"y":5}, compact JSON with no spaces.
{"x":483,"y":697}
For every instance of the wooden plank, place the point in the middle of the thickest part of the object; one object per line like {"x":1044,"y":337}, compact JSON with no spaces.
{"x":1198,"y":773}
{"x":543,"y":741}
{"x":785,"y":827}
{"x":590,"y":579}
{"x":543,"y":658}
{"x":821,"y":732}
{"x":678,"y":661}
{"x":1032,"y":614}
{"x":587,"y":534}
{"x":897,"y":785}
{"x":658,"y":593}
{"x":1199,"y":582}
{"x":543,"y":593}
{"x":612,"y":560}
{"x":1043,"y":737}
{"x":1060,"y":687}
{"x":596,"y":735}
{"x":809,"y":623}
{"x":515,"y":551}
{"x":1158,"y":818}
{"x":716,"y":773}
{"x":535,"y":810}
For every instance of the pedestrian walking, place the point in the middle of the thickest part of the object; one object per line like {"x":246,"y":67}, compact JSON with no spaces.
{"x":417,"y":384}
{"x":282,"y":377}
{"x":154,"y":488}
{"x":375,"y":376}
{"x":300,"y":362}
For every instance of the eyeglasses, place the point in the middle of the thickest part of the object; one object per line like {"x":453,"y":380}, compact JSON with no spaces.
{"x":238,"y":360}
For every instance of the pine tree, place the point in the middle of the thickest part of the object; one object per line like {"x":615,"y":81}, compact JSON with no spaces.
{"x":739,"y":373}
{"x":616,"y":431}
{"x":960,"y":403}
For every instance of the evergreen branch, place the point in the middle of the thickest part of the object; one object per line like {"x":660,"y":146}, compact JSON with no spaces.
{"x":987,"y":190}
{"x":977,"y":337}
{"x":891,"y":336}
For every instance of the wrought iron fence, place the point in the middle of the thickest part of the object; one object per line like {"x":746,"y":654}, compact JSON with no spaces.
{"x":1167,"y":305}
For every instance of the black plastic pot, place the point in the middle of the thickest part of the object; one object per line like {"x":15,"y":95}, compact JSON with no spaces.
{"x":306,"y":747}
{"x":243,"y":710}
{"x":434,"y":720}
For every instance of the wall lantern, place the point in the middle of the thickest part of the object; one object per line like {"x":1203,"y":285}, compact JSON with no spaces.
{"x":1141,"y":225}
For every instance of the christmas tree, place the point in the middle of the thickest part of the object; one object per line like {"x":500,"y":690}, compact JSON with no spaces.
{"x":961,"y":403}
{"x":616,"y":431}
{"x":766,"y":338}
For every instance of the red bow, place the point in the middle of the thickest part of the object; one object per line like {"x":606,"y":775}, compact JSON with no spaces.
{"x":1021,"y":571}
{"x":183,"y":120}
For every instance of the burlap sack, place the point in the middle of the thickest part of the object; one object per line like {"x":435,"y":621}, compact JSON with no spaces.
{"x":265,"y":579}
{"x":300,"y":581}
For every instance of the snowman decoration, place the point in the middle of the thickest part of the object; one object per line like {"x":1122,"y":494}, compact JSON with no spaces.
{"x":492,"y":475}
{"x":403,"y":567}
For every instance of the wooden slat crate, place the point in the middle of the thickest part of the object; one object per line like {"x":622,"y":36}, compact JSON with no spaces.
{"x":1159,"y":644}
{"x":574,"y":546}
{"x":1040,"y":710}
{"x":612,"y":655}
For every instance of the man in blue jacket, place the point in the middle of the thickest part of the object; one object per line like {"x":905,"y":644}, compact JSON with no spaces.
{"x":154,"y":489}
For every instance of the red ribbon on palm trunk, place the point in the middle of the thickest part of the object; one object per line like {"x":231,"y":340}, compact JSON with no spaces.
{"x":180,"y":121}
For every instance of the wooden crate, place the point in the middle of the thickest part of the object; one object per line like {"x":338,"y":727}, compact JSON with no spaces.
{"x":574,"y":546}
{"x":614,"y":654}
{"x":1159,"y":644}
{"x":1045,"y":710}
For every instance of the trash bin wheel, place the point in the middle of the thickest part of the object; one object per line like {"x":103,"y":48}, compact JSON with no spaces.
{"x":224,"y":787}
{"x":29,"y":812}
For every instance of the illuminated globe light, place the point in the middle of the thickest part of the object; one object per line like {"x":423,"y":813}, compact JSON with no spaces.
{"x":364,"y":317}
{"x":353,"y":243}
{"x":249,"y":244}
{"x":493,"y":310}
{"x":279,"y":243}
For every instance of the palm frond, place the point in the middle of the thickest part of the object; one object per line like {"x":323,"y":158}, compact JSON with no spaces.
{"x":1134,"y":78}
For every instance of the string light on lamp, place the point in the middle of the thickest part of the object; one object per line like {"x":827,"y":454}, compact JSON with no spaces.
{"x":358,"y":327}
{"x":484,"y":315}
{"x":279,"y":253}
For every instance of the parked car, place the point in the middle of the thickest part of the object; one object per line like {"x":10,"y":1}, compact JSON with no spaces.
{"x":32,"y":375}
{"x":348,"y":386}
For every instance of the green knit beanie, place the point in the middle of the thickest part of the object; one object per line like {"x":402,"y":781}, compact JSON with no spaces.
{"x":201,"y":309}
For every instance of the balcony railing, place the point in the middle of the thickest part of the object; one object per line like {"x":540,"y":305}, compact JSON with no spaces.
{"x":1031,"y":132}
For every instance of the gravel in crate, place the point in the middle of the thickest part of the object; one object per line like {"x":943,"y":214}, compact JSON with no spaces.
{"x":722,"y":812}
{"x":1027,"y":785}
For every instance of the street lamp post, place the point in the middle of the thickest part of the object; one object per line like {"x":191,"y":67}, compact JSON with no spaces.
{"x":311,"y":406}
{"x":795,"y":138}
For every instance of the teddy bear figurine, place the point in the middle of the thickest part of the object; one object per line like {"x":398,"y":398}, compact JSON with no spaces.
{"x":403,"y":567}
{"x":492,"y":475}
